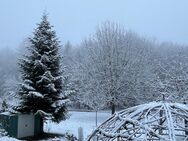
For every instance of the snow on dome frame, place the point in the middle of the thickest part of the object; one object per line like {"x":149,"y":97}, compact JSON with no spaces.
{"x":155,"y":121}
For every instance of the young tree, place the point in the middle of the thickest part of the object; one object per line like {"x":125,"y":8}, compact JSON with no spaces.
{"x":42,"y":89}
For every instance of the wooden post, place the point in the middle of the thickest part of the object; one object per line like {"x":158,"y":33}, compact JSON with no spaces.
{"x":80,"y":134}
{"x":160,"y":122}
{"x":186,"y":123}
{"x":186,"y":127}
{"x":113,"y":106}
{"x":161,"y":115}
{"x":96,"y":118}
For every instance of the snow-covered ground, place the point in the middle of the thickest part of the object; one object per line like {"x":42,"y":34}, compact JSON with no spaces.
{"x":86,"y":120}
{"x":8,"y":139}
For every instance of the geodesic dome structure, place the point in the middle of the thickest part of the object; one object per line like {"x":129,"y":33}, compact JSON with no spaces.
{"x":155,"y":121}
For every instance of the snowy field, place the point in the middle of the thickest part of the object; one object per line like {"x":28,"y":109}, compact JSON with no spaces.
{"x":86,"y":120}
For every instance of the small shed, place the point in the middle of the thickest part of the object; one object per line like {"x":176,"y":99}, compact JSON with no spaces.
{"x":20,"y":125}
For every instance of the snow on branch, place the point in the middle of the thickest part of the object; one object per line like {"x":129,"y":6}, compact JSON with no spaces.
{"x":43,"y":114}
{"x":27,"y":87}
{"x":35,"y":94}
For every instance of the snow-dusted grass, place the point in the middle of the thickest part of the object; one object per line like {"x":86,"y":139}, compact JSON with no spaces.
{"x":86,"y":120}
{"x":7,"y":139}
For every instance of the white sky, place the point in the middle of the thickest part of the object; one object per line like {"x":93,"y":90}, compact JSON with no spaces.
{"x":73,"y":20}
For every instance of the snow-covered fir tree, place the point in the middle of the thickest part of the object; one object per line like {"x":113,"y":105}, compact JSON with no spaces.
{"x":42,"y":89}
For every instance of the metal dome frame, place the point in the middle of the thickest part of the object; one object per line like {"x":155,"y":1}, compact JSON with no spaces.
{"x":155,"y":121}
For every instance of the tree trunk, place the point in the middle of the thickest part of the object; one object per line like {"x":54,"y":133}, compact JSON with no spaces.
{"x":113,"y":108}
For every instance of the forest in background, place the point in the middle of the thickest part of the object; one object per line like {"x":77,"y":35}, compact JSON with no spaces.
{"x":111,"y":68}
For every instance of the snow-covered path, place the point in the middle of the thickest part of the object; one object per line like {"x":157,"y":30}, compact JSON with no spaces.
{"x":76,"y":120}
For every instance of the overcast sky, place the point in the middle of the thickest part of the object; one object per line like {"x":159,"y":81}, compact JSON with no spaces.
{"x":73,"y":20}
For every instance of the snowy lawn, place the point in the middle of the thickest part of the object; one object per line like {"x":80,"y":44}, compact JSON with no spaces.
{"x":86,"y":120}
{"x":7,"y":139}
{"x":76,"y":120}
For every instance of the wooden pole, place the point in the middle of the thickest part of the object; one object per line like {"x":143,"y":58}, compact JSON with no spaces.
{"x":186,"y":124}
{"x":96,"y":118}
{"x":80,"y":134}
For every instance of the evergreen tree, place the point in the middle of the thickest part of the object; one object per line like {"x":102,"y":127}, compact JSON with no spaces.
{"x":42,"y":88}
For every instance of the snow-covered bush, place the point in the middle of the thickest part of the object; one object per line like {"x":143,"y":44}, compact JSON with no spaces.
{"x":70,"y":137}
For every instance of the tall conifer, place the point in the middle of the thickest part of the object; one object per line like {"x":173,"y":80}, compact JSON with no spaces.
{"x":42,"y":89}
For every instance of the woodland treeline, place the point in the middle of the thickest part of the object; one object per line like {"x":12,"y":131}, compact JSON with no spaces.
{"x":112,"y":68}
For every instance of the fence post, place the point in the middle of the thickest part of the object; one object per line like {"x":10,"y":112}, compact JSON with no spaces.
{"x":80,"y":134}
